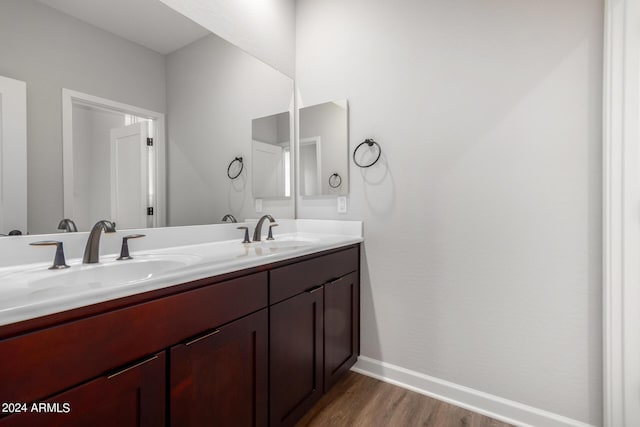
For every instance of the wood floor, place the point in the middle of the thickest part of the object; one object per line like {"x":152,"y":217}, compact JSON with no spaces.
{"x":358,"y":400}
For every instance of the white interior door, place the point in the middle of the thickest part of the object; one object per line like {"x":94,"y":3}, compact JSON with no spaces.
{"x":129,"y":176}
{"x":13,"y":155}
{"x":268,"y":171}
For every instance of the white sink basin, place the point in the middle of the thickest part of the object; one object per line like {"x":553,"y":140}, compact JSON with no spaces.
{"x":280,"y":245}
{"x":232,"y":251}
{"x":37,"y":283}
{"x":107,"y":275}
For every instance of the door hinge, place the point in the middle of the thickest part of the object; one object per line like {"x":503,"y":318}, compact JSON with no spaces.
{"x":150,"y":142}
{"x":149,"y":211}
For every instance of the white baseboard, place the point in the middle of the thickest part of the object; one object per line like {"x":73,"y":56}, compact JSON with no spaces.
{"x":464,"y":397}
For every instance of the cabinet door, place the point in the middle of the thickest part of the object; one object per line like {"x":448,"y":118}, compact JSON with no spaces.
{"x":341,"y":327}
{"x":296,"y":356}
{"x":220,"y":378}
{"x":133,"y":396}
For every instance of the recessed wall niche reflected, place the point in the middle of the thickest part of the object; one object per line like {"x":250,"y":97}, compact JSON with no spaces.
{"x":140,"y":53}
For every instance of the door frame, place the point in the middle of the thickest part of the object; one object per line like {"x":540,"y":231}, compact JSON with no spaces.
{"x":71,"y":97}
{"x":621,"y":216}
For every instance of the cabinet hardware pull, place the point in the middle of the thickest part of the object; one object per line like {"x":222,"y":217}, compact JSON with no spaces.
{"x":312,"y":290}
{"x":195,"y":340}
{"x":332,"y":281}
{"x":132,"y":367}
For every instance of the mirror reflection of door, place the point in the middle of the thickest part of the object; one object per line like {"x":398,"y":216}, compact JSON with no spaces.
{"x":129,"y":175}
{"x":112,"y":167}
{"x":271,"y":156}
{"x":13,"y":155}
{"x":267,"y":167}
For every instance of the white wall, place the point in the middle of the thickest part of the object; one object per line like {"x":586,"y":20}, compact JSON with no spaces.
{"x":265,"y":29}
{"x":265,"y":129}
{"x":51,"y":51}
{"x":482,"y":259}
{"x":214,"y":91}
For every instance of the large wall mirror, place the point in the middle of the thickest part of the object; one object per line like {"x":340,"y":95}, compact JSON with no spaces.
{"x":109,"y":77}
{"x":324,"y":149}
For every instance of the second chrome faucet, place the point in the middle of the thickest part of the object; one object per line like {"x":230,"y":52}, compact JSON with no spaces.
{"x":92,"y":250}
{"x":257,"y":232}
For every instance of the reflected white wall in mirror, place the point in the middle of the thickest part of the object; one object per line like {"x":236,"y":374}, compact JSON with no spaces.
{"x":324,"y":149}
{"x":214,"y":91}
{"x":13,"y":155}
{"x":271,"y":156}
{"x":144,"y":54}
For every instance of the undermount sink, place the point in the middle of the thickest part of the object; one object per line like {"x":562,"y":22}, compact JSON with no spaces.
{"x":230,"y":251}
{"x":37,"y":283}
{"x":284,"y":244}
{"x":107,"y":275}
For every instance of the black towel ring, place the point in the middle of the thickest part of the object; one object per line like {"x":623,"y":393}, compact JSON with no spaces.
{"x":237,"y":159}
{"x":370,"y":143}
{"x":338,"y":178}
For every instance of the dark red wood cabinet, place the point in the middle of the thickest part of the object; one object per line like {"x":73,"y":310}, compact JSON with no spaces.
{"x":296,"y":350}
{"x":220,"y":378}
{"x":251,"y":348}
{"x":314,"y":331}
{"x":341,"y":327}
{"x":130,"y":397}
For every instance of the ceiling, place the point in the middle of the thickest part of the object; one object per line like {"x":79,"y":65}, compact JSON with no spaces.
{"x":149,"y":23}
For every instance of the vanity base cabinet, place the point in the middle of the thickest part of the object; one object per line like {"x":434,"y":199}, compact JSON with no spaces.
{"x":314,"y":330}
{"x":341,"y":327}
{"x":220,"y":377}
{"x":131,"y":397}
{"x":296,"y":351}
{"x":256,"y":349}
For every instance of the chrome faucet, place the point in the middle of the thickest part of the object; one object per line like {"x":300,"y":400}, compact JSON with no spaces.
{"x":258,"y":230}
{"x":92,"y":250}
{"x":67,"y":225}
{"x":229,"y":217}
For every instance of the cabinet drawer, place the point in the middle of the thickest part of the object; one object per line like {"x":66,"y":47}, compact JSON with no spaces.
{"x":38,"y":364}
{"x":132,"y":397}
{"x":292,"y":279}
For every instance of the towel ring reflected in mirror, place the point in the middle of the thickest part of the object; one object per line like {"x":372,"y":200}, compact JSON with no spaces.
{"x":335,"y":180}
{"x":370,"y":143}
{"x":239,"y":161}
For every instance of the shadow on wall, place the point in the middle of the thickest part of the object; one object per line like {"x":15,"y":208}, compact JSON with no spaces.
{"x":379,"y":187}
{"x":236,"y":194}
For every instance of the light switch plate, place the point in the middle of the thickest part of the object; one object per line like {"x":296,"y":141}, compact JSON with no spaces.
{"x":342,"y":204}
{"x":258,"y":205}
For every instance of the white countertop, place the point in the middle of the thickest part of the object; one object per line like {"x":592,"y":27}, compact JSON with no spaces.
{"x":31,"y":290}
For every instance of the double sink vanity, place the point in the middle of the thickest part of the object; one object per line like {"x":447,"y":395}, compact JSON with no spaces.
{"x":197,"y":329}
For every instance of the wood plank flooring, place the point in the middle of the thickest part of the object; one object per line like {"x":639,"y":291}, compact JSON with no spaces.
{"x":361,"y":401}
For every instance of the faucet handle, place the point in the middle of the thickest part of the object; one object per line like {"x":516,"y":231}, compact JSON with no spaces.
{"x":270,"y":236}
{"x":246,"y":234}
{"x":58,"y":261}
{"x":124,"y":250}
